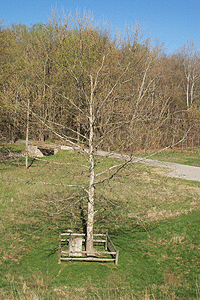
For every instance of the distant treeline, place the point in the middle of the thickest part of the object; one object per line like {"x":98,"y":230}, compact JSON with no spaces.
{"x":141,"y":96}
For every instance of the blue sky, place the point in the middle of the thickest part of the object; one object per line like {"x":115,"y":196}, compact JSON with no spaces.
{"x":170,"y":21}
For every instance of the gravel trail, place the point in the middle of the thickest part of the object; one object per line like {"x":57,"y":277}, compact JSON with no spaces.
{"x":174,"y":170}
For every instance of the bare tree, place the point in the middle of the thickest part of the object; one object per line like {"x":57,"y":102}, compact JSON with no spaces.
{"x":98,"y":86}
{"x":191,"y":62}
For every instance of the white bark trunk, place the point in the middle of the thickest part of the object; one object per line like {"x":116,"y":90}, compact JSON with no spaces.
{"x":192,"y":93}
{"x":90,"y":221}
{"x":27,"y":128}
{"x":187,"y":94}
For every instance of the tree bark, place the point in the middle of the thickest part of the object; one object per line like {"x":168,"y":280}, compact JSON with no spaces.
{"x":27,"y":128}
{"x":90,"y":221}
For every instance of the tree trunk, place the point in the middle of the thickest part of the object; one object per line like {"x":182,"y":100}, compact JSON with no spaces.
{"x":27,"y":127}
{"x":187,"y":93}
{"x":90,"y":221}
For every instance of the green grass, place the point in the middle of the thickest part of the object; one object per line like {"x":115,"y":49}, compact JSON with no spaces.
{"x":153,"y":221}
{"x":182,"y":157}
{"x":7,"y":147}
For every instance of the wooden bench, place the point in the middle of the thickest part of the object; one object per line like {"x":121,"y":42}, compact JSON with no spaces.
{"x":65,"y":249}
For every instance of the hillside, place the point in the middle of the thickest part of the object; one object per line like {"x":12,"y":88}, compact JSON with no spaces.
{"x":153,"y":221}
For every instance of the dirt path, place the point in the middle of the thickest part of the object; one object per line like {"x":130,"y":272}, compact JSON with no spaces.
{"x":174,"y":170}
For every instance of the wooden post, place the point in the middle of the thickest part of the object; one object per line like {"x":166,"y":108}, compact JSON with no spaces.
{"x":59,"y":248}
{"x":192,"y":143}
{"x":106,"y":243}
{"x":173,"y":141}
{"x":116,"y":257}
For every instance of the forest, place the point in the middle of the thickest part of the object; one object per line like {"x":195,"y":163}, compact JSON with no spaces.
{"x":141,"y":96}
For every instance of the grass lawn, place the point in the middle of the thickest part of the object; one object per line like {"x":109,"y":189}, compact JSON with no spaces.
{"x":153,"y":221}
